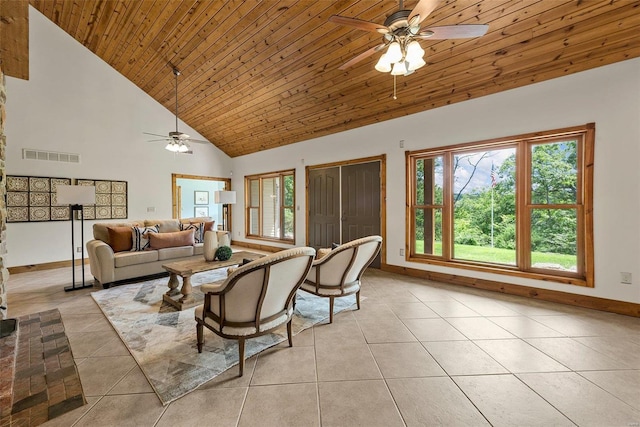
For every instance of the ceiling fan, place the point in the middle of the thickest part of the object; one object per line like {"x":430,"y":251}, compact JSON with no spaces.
{"x":177,"y":141}
{"x":401,"y":32}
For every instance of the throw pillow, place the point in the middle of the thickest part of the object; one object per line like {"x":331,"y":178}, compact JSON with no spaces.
{"x":208,"y":226}
{"x":141,"y":237}
{"x":120,"y":238}
{"x":198,"y":228}
{"x":171,"y":240}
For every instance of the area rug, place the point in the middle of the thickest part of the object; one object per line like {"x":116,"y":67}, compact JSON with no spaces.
{"x":163,"y":340}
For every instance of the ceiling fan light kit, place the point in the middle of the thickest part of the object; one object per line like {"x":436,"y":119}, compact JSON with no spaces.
{"x":401,"y":32}
{"x":177,"y":142}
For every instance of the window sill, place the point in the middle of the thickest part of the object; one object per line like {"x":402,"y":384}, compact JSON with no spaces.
{"x":566,"y":278}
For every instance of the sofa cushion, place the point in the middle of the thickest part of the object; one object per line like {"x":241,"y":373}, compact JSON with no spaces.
{"x":166,"y":225}
{"x":171,"y":240}
{"x":120,"y":238}
{"x":141,"y":237}
{"x":123,"y":259}
{"x":198,"y":229}
{"x":100,"y":231}
{"x":170,"y":253}
{"x":198,"y":249}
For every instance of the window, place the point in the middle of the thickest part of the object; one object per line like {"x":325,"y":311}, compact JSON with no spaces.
{"x":520,"y":205}
{"x":270,"y":206}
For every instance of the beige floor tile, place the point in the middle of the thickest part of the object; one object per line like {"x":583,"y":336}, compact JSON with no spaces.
{"x":112,"y":347}
{"x":519,"y":356}
{"x":412,"y":310}
{"x":345,"y":362}
{"x":397,"y":296}
{"x":123,"y":410}
{"x":405,"y":360}
{"x":230,"y":378}
{"x":463,"y":358}
{"x":99,"y":374}
{"x":625,"y":385}
{"x":376,"y":309}
{"x":428,"y":293}
{"x":506,"y":401}
{"x":133,"y":382}
{"x":524,"y":327}
{"x":487,"y":307}
{"x":338,"y":332}
{"x":281,"y":405}
{"x":385,"y":330}
{"x":433,"y":330}
{"x":357,"y":403}
{"x":575,"y":355}
{"x":624,"y":350}
{"x":435,"y":401}
{"x":584,"y":326}
{"x":85,"y":322}
{"x":284,"y":365}
{"x":205,"y":407}
{"x":84,"y":344}
{"x":451,"y":309}
{"x":580,"y":400}
{"x":478,"y":328}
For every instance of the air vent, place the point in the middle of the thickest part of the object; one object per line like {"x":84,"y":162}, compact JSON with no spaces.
{"x":52,"y":156}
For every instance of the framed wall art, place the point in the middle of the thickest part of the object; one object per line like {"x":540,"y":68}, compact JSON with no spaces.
{"x":111,"y":199}
{"x":199,"y":211}
{"x":33,"y":199}
{"x":201,"y":198}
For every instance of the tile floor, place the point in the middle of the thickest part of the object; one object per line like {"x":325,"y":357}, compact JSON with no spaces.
{"x":418,"y":353}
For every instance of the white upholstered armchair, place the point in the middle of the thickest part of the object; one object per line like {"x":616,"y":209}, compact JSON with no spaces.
{"x":254,"y":299}
{"x":338,"y":272}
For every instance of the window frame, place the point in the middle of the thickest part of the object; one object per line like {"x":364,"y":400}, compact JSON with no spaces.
{"x":282,"y":207}
{"x":585,"y":135}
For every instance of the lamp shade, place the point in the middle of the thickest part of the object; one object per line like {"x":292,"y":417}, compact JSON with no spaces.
{"x":224,"y":197}
{"x":76,"y":194}
{"x":394,"y":53}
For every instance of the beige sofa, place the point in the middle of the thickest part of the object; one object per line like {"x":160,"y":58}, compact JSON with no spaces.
{"x":109,"y":266}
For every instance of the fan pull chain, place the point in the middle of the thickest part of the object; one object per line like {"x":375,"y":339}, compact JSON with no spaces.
{"x":394,"y":87}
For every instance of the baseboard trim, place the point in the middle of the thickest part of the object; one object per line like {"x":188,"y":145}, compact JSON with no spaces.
{"x":44,"y":266}
{"x":585,"y":301}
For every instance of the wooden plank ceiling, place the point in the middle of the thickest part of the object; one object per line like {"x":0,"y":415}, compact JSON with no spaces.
{"x":14,"y":38}
{"x":262,"y":74}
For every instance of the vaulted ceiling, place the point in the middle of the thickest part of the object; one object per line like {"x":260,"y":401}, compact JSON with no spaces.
{"x":262,"y":74}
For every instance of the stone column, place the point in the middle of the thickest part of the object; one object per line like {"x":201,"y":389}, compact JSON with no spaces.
{"x":4,"y":273}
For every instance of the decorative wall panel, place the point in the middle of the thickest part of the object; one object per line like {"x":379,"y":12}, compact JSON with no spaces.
{"x":33,"y":199}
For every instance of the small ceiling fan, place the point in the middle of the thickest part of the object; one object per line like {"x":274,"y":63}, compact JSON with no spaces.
{"x":177,"y":141}
{"x":401,"y":32}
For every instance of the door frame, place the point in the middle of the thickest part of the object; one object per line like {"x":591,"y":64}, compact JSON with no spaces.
{"x":383,"y":195}
{"x":175,"y":198}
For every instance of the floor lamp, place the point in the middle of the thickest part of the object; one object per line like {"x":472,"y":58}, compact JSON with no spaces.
{"x":226,"y":198}
{"x":76,"y":196}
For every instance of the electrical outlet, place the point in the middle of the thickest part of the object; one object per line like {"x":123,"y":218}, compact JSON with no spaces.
{"x":401,"y":252}
{"x":151,"y":209}
{"x":625,"y":278}
{"x":402,"y":143}
{"x":79,"y":249}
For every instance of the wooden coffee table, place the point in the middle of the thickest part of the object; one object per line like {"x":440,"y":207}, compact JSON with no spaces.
{"x":188,"y":268}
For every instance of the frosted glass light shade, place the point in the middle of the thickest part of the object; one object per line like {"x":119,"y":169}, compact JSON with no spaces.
{"x":224,"y":197}
{"x":414,"y":65}
{"x":399,"y":68}
{"x":182,"y":148}
{"x":383,"y":65}
{"x":414,"y":51}
{"x":394,"y":53}
{"x":76,"y":194}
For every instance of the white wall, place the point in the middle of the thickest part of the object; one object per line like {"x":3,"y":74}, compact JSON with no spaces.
{"x":608,"y":96}
{"x":74,"y":102}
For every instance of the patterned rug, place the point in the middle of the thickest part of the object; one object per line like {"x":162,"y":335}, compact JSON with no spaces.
{"x":163,"y":340}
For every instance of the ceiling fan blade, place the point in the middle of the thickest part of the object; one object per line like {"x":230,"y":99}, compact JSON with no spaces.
{"x":453,"y":32}
{"x":154,"y":134}
{"x":424,"y":9}
{"x":363,"y":55}
{"x":158,"y":140}
{"x":198,"y":141}
{"x":359,"y":24}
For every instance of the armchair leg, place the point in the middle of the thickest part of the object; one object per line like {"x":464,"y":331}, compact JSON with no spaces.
{"x":330,"y":309}
{"x":241,"y":355}
{"x":358,"y":299}
{"x":200,"y":335}
{"x":289,"y":334}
